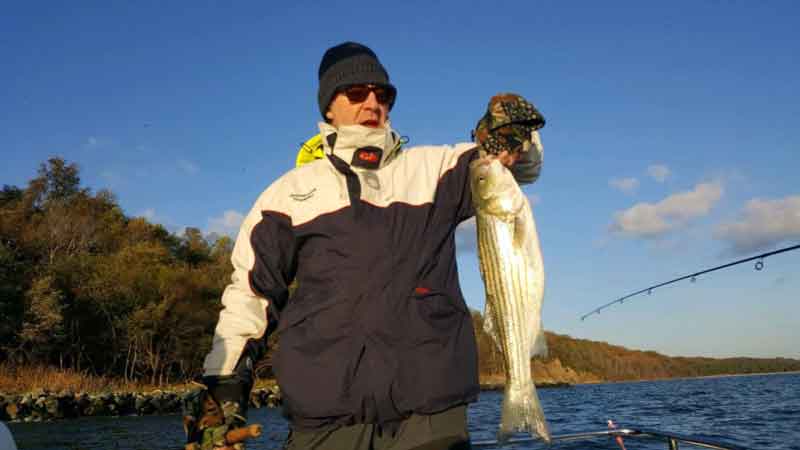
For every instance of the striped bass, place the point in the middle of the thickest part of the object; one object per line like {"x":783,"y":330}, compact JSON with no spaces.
{"x":512,"y":271}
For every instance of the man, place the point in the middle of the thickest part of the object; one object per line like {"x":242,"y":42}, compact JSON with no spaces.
{"x":376,"y":345}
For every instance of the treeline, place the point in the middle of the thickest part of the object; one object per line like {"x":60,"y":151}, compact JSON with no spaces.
{"x":86,"y":288}
{"x":603,"y":361}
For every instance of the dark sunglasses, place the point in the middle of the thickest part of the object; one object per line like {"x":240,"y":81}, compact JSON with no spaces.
{"x":359,"y":92}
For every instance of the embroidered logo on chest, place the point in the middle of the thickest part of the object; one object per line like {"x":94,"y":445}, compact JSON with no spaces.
{"x":303,"y":197}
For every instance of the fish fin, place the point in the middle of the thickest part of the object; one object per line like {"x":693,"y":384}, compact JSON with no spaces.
{"x":522,"y":223}
{"x":522,"y":413}
{"x":488,"y":321}
{"x":520,"y":231}
{"x":539,"y":344}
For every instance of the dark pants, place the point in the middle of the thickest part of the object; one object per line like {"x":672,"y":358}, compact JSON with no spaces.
{"x":446,"y":430}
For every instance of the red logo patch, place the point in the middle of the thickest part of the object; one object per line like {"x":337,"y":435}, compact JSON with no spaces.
{"x":368,"y":157}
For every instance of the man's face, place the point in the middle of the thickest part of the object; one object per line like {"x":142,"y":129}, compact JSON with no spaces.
{"x":352,"y":107}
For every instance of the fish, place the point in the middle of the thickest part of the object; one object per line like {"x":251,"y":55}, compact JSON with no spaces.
{"x":512,"y":270}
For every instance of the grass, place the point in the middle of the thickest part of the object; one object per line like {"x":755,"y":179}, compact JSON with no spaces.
{"x":15,"y":379}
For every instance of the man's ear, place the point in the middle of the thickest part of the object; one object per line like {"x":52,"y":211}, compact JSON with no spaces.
{"x":329,"y":115}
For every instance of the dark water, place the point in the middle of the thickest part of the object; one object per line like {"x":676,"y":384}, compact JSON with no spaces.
{"x":758,"y":412}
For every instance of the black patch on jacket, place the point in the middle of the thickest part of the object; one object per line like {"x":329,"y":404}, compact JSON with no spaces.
{"x":367,"y":157}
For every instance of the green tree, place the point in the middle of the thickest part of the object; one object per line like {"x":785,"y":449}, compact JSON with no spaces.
{"x":42,"y":327}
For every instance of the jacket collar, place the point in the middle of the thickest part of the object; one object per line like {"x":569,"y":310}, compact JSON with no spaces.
{"x":360,"y":146}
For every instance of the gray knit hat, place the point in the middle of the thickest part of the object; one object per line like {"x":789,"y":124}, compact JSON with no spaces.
{"x":347,"y":64}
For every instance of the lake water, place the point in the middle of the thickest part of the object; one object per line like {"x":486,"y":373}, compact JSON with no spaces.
{"x":758,"y":412}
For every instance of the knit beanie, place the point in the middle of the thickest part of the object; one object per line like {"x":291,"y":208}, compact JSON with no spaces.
{"x":346,"y":64}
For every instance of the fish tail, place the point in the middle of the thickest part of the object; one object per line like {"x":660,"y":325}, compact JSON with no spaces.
{"x":522,"y":413}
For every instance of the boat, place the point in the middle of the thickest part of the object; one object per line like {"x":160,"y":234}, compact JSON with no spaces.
{"x":6,"y":441}
{"x":672,"y":441}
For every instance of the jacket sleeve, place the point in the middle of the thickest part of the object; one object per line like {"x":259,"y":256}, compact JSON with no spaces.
{"x":264,"y":264}
{"x":454,"y":181}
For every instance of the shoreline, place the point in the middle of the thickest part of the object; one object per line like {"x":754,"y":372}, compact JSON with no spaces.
{"x":699,"y":377}
{"x":41,"y":405}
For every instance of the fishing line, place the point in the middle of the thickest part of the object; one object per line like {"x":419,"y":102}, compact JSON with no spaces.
{"x":759,"y":265}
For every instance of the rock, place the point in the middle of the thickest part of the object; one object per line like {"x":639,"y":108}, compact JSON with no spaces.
{"x":164,"y":402}
{"x":96,"y":407}
{"x":66,"y":404}
{"x":82,"y":403}
{"x":12,"y":411}
{"x":26,"y":401}
{"x":144,"y":404}
{"x":140,"y":403}
{"x":53,"y":407}
{"x":125,"y":403}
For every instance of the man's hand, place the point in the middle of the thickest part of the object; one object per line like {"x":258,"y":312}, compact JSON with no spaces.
{"x":211,"y":425}
{"x":508,"y":130}
{"x":507,"y":158}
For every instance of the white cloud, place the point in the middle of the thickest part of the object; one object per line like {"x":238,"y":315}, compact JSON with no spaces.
{"x":626,"y":185}
{"x":228,"y":223}
{"x":97,"y":142}
{"x":653,"y":220}
{"x":762,"y":224}
{"x":149,"y":214}
{"x":188,"y":166}
{"x":658,"y":172}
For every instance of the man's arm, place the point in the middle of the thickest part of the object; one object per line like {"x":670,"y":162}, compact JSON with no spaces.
{"x":263,"y":262}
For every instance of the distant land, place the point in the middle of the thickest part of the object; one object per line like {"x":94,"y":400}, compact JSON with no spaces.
{"x":575,"y":361}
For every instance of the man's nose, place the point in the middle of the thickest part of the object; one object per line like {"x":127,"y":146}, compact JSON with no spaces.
{"x":371,"y":101}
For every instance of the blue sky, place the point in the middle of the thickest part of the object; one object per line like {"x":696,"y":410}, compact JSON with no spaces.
{"x":671,"y":139}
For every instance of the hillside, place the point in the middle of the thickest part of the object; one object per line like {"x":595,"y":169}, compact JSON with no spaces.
{"x":574,"y":360}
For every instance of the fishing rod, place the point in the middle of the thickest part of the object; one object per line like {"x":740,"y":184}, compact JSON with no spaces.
{"x":693,"y":276}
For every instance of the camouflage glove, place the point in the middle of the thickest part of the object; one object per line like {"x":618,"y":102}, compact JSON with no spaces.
{"x":213,"y":425}
{"x":510,"y":124}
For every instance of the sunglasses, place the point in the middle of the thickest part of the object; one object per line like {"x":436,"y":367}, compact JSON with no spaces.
{"x":359,"y":92}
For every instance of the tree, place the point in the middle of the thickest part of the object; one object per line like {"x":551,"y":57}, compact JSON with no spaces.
{"x":194,"y":249}
{"x":11,"y":297}
{"x":42,"y":327}
{"x":55,"y":181}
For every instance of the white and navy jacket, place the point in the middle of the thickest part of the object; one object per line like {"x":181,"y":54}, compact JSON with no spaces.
{"x":378,"y":327}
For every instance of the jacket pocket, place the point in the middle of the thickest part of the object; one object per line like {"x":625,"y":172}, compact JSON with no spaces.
{"x":436,"y":314}
{"x":313,"y":346}
{"x":438,"y":369}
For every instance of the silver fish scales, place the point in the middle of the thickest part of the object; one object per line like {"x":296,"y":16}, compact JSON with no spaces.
{"x":513,"y":274}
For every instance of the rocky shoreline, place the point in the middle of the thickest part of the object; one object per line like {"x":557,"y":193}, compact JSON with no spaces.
{"x":43,"y":405}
